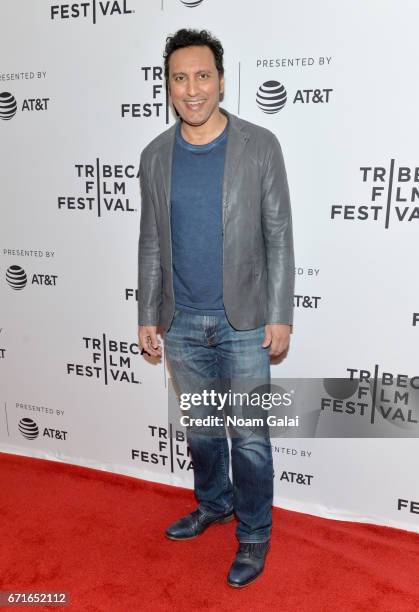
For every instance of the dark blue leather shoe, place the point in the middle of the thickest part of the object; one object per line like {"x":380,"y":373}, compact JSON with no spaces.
{"x":248,"y":564}
{"x":195,"y":523}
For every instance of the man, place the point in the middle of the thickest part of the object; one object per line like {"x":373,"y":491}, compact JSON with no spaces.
{"x":216,"y":275}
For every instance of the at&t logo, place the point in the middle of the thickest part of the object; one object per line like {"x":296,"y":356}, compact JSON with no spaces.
{"x":191,"y":3}
{"x":30,"y":430}
{"x":307,"y":301}
{"x":9,"y":107}
{"x":296,"y":478}
{"x":17,"y":279}
{"x":271,"y":96}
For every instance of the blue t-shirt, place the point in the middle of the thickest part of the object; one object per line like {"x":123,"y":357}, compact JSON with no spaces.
{"x":196,"y":224}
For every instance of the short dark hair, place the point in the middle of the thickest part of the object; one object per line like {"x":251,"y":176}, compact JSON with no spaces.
{"x":188,"y":38}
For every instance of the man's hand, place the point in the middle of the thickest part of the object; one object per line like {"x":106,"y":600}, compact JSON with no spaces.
{"x":278,"y":336}
{"x":147,"y":340}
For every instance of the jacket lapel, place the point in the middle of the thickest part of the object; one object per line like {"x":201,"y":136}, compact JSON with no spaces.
{"x":236,"y":143}
{"x":165,"y":160}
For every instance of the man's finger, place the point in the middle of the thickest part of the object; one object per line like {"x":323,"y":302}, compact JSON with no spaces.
{"x":154,"y":341}
{"x":275,"y":348}
{"x":267,"y":339}
{"x":279,"y":347}
{"x":152,"y":351}
{"x":152,"y":346}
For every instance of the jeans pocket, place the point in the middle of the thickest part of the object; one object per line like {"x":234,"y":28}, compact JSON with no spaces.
{"x":175,"y":314}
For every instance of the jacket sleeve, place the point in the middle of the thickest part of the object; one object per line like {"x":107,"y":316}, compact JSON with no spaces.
{"x":277,"y":231}
{"x":149,"y":270}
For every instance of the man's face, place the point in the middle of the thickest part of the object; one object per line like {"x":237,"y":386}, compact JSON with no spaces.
{"x":194,"y":84}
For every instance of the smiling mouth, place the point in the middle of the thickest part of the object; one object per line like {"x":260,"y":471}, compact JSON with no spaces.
{"x":195,"y":104}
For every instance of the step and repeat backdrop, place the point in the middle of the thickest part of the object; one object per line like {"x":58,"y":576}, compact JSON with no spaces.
{"x":81,"y":94}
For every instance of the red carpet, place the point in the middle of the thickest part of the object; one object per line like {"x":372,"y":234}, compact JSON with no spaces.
{"x":99,"y":536}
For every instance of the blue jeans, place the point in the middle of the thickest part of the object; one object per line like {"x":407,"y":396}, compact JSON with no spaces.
{"x":206,"y":351}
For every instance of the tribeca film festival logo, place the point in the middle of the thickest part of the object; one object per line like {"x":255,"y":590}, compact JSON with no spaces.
{"x":30,"y":430}
{"x":157,"y":104}
{"x":171,"y":449}
{"x":111,"y":360}
{"x":93,"y":10}
{"x":9,"y":105}
{"x":131,"y":293}
{"x":409,"y":505}
{"x":17,"y":278}
{"x":393,"y":192}
{"x":271,"y":96}
{"x":391,"y":397}
{"x":104,"y":188}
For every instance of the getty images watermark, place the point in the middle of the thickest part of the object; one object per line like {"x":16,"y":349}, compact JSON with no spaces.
{"x":368,"y":406}
{"x":221,"y":402}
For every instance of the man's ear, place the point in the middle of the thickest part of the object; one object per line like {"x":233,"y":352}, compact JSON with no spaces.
{"x":221,"y":87}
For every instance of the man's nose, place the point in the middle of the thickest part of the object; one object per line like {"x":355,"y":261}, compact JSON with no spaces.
{"x":192,"y":87}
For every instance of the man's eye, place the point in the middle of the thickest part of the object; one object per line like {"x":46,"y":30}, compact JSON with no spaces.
{"x":204,"y":75}
{"x":179,"y":78}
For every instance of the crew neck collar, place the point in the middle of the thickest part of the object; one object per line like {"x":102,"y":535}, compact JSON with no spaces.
{"x":200,"y":147}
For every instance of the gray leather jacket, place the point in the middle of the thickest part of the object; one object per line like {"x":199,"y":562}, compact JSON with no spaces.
{"x":258,"y":255}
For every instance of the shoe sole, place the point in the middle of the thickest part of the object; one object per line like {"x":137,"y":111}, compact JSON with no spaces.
{"x":221,"y":521}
